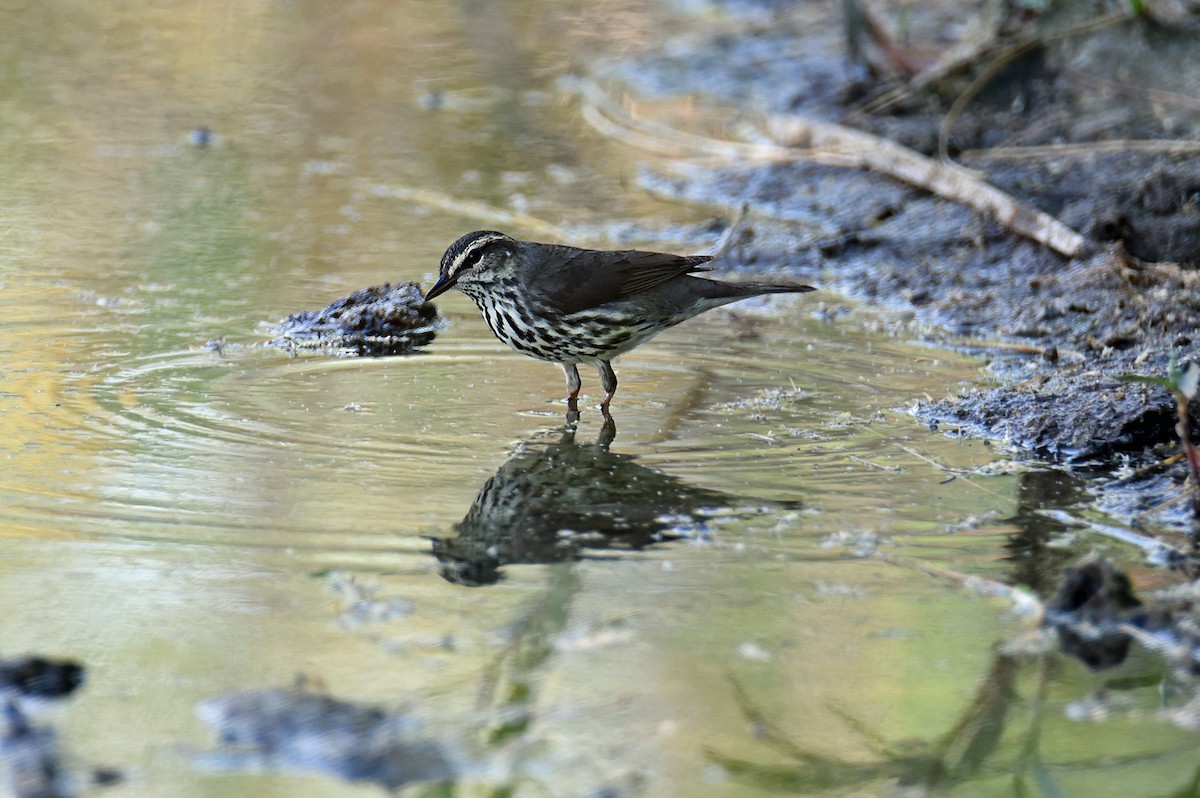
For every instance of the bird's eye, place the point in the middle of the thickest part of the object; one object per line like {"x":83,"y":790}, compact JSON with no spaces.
{"x":470,"y":259}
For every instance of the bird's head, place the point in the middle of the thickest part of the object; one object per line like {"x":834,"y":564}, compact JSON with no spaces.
{"x":475,"y":259}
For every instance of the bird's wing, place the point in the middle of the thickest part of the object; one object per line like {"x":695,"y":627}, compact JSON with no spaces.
{"x":571,"y":280}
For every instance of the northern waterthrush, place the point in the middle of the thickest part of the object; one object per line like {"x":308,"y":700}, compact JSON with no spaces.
{"x":570,"y":306}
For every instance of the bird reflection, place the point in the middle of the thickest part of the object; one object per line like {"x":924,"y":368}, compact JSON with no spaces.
{"x":556,"y":499}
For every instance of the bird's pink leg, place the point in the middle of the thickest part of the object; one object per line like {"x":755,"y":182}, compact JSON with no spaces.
{"x":573,"y":384}
{"x":608,"y":379}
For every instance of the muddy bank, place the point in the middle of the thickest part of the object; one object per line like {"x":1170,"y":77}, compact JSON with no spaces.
{"x":1085,"y":113}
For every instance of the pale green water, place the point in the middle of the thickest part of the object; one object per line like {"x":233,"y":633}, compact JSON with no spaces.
{"x":187,"y":520}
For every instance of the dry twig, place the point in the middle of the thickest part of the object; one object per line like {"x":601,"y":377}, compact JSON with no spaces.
{"x":1084,"y":149}
{"x":1003,"y":59}
{"x":947,"y":181}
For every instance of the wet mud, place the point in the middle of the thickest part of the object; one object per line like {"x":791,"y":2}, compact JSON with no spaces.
{"x":297,"y":729}
{"x":1083,"y":113}
{"x":32,"y":762}
{"x":1099,"y":619}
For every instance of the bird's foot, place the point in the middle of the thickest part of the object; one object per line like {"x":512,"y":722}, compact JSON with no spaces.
{"x":572,"y":410}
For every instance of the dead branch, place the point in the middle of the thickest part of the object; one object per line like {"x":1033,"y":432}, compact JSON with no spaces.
{"x":947,"y":181}
{"x":798,"y":139}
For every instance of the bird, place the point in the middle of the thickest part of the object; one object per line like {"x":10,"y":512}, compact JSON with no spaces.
{"x":575,"y":306}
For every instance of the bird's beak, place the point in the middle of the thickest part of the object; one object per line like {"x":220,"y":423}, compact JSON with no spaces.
{"x":444,"y":284}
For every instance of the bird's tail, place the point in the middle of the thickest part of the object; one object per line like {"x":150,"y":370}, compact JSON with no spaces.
{"x":743,"y":290}
{"x":774,"y":288}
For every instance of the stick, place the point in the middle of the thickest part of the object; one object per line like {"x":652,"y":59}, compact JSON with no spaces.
{"x":835,"y":145}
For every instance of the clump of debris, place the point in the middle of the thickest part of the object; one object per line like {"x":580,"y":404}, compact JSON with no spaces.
{"x":377,"y":321}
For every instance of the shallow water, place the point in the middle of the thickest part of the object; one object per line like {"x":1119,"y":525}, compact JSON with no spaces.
{"x":190,"y":514}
